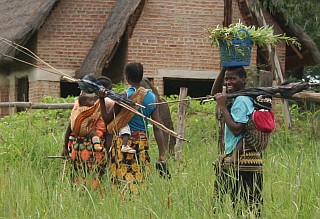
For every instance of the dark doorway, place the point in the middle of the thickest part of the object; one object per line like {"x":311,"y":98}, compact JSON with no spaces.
{"x":196,"y":87}
{"x":69,"y":89}
{"x":22,"y":91}
{"x":115,"y":68}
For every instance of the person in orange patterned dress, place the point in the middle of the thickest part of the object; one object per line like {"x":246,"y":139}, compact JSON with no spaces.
{"x":85,"y":140}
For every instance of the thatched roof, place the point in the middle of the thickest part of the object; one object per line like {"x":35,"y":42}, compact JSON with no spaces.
{"x":108,"y":40}
{"x":20,"y":19}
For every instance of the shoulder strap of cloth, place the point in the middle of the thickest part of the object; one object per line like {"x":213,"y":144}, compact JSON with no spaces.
{"x":82,"y":116}
{"x":126,"y":115}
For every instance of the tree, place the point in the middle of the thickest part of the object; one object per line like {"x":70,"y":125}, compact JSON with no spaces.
{"x":306,"y":14}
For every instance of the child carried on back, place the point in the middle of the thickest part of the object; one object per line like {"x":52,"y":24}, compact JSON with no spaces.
{"x":84,"y":120}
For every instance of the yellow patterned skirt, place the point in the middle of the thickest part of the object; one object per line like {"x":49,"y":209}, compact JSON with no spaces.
{"x":130,"y":170}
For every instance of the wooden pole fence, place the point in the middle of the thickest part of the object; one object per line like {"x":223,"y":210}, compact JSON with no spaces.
{"x":182,"y":111}
{"x":32,"y":105}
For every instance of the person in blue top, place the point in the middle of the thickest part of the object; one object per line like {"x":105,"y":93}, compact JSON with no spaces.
{"x":242,"y":178}
{"x":129,"y":170}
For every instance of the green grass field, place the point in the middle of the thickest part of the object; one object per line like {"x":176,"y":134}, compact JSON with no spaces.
{"x":32,"y":186}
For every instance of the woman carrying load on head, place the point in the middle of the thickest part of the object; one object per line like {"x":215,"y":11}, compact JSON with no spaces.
{"x":130,"y":169}
{"x":85,"y":139}
{"x":243,"y":178}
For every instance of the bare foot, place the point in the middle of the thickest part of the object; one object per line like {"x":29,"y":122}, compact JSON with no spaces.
{"x":230,"y":159}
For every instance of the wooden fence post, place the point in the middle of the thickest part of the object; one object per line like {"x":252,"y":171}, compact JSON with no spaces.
{"x":182,"y":110}
{"x":34,"y":105}
{"x":265,"y":78}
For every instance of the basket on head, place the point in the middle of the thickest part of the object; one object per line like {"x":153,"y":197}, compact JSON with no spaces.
{"x":236,"y":52}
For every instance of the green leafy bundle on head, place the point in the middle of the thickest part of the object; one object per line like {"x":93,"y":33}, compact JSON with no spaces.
{"x":259,"y":35}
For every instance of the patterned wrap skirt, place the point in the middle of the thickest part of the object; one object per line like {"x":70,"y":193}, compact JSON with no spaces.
{"x":242,"y":180}
{"x":130,"y":170}
{"x":86,"y":162}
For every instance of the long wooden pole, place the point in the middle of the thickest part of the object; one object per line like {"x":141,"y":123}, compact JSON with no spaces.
{"x":159,"y":125}
{"x":181,"y":100}
{"x":227,"y":13}
{"x":70,"y":105}
{"x":66,"y":78}
{"x":31,"y":54}
{"x":69,"y":78}
{"x":182,"y":110}
{"x":301,"y":96}
{"x":227,"y":20}
{"x":32,"y":105}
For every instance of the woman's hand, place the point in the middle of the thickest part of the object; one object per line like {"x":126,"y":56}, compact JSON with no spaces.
{"x":221,"y":99}
{"x":101,"y":93}
{"x":65,"y":152}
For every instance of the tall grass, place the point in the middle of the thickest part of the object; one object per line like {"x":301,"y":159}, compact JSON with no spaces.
{"x":31,"y":185}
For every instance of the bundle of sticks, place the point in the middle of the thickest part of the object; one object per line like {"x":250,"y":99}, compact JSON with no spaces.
{"x":286,"y":91}
{"x":299,"y":91}
{"x":88,"y":84}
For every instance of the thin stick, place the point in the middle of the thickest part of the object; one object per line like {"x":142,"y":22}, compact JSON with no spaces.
{"x":68,"y":78}
{"x":65,"y":76}
{"x":208,"y":100}
{"x":303,"y":95}
{"x":100,"y":189}
{"x":64,"y":169}
{"x":159,"y":125}
{"x":182,"y":100}
{"x":139,"y":105}
{"x":17,"y":47}
{"x":33,"y":55}
{"x":57,"y":157}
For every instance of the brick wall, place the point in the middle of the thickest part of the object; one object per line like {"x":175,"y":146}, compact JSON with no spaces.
{"x":69,"y":31}
{"x":39,"y":89}
{"x":4,"y":97}
{"x":171,"y":35}
{"x":168,"y":35}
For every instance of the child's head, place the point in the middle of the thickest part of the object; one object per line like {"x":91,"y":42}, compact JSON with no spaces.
{"x":86,"y":100}
{"x":105,"y":81}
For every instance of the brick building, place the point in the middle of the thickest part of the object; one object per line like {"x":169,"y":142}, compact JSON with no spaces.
{"x":79,"y":37}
